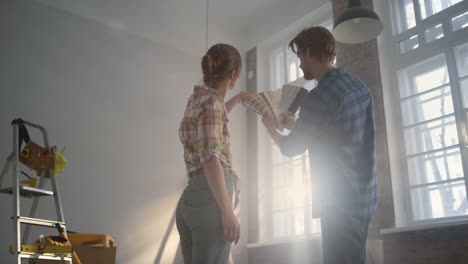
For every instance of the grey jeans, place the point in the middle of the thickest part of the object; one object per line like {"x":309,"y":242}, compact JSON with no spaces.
{"x":344,"y":238}
{"x":198,"y":220}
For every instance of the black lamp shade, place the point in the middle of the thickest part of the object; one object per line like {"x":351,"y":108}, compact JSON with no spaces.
{"x":357,"y":24}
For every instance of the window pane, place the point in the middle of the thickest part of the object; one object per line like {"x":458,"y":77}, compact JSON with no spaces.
{"x":431,"y":136}
{"x":289,"y":197}
{"x":315,"y":226}
{"x":277,"y":69}
{"x":293,"y":74}
{"x":431,"y":7}
{"x":404,"y":15}
{"x":434,"y":167}
{"x":409,"y":44}
{"x":288,"y":223}
{"x":461,"y":55}
{"x":282,"y":199}
{"x":282,"y":224}
{"x":290,"y":183}
{"x":434,"y":32}
{"x":464,"y":88}
{"x":277,"y":157}
{"x":423,"y":76}
{"x":299,"y":227}
{"x":460,"y":21}
{"x":443,"y":200}
{"x":427,"y":106}
{"x":293,"y":66}
{"x":280,"y":175}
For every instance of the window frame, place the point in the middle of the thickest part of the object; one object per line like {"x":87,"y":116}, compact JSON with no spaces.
{"x":399,"y":61}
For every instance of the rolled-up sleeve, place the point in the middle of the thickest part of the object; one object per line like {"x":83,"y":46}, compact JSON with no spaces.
{"x":210,"y":129}
{"x":314,"y":117}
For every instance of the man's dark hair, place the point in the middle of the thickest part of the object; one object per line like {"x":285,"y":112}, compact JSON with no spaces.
{"x":318,"y":40}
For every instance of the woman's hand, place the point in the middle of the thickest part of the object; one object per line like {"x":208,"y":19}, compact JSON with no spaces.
{"x":231,"y":226}
{"x":214,"y":174}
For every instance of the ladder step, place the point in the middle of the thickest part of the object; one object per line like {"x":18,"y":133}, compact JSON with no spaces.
{"x":63,"y":257}
{"x":28,"y":192}
{"x":39,"y":222}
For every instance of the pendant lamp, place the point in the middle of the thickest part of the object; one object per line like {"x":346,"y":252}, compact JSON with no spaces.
{"x":357,"y":24}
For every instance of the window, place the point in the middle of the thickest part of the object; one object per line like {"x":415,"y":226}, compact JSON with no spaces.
{"x":409,"y":44}
{"x":285,"y":202}
{"x":431,"y":7}
{"x":460,"y":21}
{"x":290,"y":180}
{"x":434,"y":32}
{"x":431,"y":140}
{"x":431,"y":79}
{"x":404,"y":13}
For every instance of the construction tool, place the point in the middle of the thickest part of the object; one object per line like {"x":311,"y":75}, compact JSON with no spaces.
{"x":31,"y":182}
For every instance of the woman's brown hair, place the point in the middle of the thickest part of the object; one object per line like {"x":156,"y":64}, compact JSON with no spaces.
{"x":318,"y":40}
{"x":219,"y":61}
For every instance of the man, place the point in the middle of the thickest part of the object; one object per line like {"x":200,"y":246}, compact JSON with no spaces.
{"x":336,"y":125}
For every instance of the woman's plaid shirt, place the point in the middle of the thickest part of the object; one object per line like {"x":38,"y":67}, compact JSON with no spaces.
{"x":204,"y":131}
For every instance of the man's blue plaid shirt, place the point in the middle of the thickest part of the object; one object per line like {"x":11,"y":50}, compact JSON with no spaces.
{"x":336,"y":124}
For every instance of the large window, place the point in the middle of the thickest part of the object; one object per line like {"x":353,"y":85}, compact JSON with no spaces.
{"x":290,"y":180}
{"x":406,"y":12}
{"x":285,"y":193}
{"x":432,"y":72}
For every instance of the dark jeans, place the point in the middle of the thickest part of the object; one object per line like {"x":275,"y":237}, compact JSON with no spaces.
{"x":344,"y":238}
{"x":198,"y":220}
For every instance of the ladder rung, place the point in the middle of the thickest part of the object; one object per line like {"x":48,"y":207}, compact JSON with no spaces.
{"x":29,"y":192}
{"x":65,"y":257}
{"x":39,"y":222}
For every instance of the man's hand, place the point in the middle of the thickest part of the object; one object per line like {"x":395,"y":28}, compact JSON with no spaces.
{"x":289,"y":121}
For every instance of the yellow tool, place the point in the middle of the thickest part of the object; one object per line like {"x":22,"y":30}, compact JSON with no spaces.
{"x":25,"y":153}
{"x":60,"y":162}
{"x":31,"y":182}
{"x":49,"y":249}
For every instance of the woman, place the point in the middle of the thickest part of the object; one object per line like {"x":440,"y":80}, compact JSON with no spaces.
{"x":205,"y":215}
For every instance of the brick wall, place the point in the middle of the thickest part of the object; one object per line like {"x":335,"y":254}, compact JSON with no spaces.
{"x":444,"y":245}
{"x":363,"y":61}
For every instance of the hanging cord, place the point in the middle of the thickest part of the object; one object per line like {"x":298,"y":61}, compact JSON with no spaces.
{"x":206,"y":27}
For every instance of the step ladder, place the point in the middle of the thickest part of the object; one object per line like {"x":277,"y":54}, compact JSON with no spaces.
{"x":21,"y":191}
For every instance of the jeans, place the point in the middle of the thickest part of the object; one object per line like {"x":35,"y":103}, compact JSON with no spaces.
{"x":344,"y":238}
{"x":198,"y":220}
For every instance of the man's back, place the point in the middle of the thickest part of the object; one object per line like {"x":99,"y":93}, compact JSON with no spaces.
{"x":342,"y":153}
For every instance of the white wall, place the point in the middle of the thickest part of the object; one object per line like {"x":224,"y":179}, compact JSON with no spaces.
{"x":114,"y":99}
{"x":280,"y":17}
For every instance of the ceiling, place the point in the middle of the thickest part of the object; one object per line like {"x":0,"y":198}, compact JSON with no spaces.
{"x":178,"y":22}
